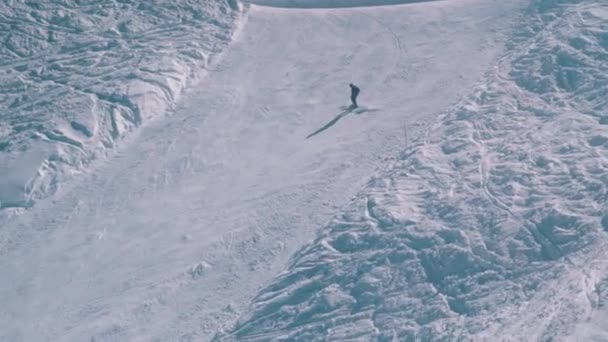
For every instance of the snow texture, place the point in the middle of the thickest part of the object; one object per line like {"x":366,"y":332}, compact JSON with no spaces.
{"x":492,"y":227}
{"x":331,"y":3}
{"x":172,"y":236}
{"x":76,"y":76}
{"x":466,"y":200}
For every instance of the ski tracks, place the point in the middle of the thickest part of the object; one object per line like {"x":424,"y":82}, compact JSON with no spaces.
{"x":489,"y":226}
{"x":113,"y":67}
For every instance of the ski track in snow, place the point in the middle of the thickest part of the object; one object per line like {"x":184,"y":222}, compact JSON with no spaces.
{"x":77,"y":77}
{"x":491,"y":227}
{"x":172,"y":237}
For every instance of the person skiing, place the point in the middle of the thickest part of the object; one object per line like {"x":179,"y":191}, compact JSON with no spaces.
{"x":354,"y":92}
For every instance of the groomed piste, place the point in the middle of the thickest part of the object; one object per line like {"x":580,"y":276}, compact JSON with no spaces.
{"x":464,"y":200}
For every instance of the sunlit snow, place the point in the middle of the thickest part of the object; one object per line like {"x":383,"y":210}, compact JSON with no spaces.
{"x":190,"y":170}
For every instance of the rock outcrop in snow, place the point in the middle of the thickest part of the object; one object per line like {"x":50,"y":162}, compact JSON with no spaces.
{"x":77,"y":76}
{"x":494,"y":225}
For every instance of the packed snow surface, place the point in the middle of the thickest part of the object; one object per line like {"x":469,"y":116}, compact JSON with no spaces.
{"x":466,"y":197}
{"x":491,"y":227}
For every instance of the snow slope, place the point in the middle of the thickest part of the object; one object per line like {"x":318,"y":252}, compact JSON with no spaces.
{"x":331,"y":3}
{"x":172,"y":237}
{"x":77,"y":76}
{"x":491,"y":227}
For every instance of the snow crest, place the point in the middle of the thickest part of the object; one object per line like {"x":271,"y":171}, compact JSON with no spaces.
{"x":78,"y":76}
{"x":332,"y":3}
{"x":493,"y":225}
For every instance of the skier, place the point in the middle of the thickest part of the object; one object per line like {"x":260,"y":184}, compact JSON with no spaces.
{"x":354,"y":92}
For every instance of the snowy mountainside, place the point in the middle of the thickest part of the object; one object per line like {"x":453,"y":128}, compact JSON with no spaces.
{"x":332,"y":3}
{"x":493,"y":226}
{"x":172,"y":236}
{"x":76,"y":76}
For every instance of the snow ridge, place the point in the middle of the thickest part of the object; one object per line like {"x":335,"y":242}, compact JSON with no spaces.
{"x":493,"y":225}
{"x":331,"y":3}
{"x":77,"y":76}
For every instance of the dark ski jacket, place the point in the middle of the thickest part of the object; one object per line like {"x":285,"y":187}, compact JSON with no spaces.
{"x":354,"y":90}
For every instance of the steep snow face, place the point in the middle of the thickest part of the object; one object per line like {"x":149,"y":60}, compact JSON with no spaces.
{"x":494,"y":225}
{"x":78,"y":76}
{"x":171,"y":237}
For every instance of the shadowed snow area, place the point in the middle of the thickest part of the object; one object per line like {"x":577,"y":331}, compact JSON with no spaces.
{"x":77,"y":76}
{"x":172,"y":237}
{"x":491,"y":227}
{"x":332,"y":3}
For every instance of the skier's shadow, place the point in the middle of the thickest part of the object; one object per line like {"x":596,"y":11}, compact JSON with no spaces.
{"x":345,"y":111}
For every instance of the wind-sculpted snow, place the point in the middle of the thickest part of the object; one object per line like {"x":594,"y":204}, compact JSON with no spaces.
{"x":493,"y":227}
{"x":76,"y":76}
